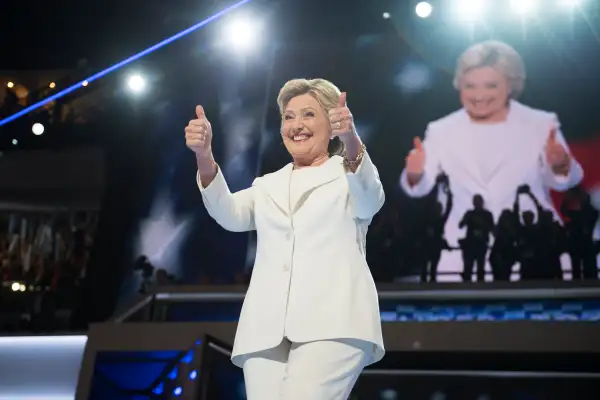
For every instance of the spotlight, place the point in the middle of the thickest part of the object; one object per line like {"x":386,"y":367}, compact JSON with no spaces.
{"x":242,"y":33}
{"x":10,"y":85}
{"x":470,"y":10}
{"x":37,"y":129}
{"x":136,"y":83}
{"x":523,"y":7}
{"x":15,"y":142}
{"x":423,"y":9}
{"x":22,"y":287}
{"x":52,"y":85}
{"x":386,"y":15}
{"x":84,"y":83}
{"x":15,"y":286}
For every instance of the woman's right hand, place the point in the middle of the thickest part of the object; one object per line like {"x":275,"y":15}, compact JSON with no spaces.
{"x":415,"y":162}
{"x":198,"y":136}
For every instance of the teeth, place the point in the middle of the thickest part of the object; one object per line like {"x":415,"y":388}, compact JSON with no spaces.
{"x":298,"y":138}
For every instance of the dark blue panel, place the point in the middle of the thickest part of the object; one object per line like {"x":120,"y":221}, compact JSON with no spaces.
{"x":132,"y":376}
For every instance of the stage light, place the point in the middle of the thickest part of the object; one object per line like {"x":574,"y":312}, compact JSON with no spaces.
{"x":423,"y":9}
{"x":193,"y":375}
{"x":120,"y":64}
{"x":15,"y":142}
{"x":523,"y":7}
{"x":470,"y":10}
{"x":242,"y":33}
{"x":386,"y":15}
{"x":22,"y":288}
{"x":37,"y":129}
{"x":136,"y":83}
{"x":10,"y":85}
{"x":15,"y":286}
{"x":177,"y":391}
{"x":52,"y":85}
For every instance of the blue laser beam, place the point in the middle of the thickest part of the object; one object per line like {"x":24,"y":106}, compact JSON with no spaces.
{"x":129,"y":60}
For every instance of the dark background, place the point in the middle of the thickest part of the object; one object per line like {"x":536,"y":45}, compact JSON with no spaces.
{"x":397,"y":73}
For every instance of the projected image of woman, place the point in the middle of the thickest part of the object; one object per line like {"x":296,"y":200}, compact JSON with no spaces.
{"x":310,"y":321}
{"x":489,"y":148}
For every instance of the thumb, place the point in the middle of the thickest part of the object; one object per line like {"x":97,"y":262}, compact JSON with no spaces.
{"x":552,"y":136}
{"x":200,"y":112}
{"x":342,"y":100}
{"x":418,"y":145}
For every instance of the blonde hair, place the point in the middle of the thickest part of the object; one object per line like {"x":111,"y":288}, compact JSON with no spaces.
{"x":497,"y":55}
{"x":326,"y":94}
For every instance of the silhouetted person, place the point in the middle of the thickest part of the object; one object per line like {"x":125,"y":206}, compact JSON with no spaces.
{"x":435,"y":241}
{"x":552,"y":242}
{"x":379,"y":246}
{"x":540,"y":244}
{"x":504,"y":251}
{"x":479,"y":223}
{"x":582,"y":217}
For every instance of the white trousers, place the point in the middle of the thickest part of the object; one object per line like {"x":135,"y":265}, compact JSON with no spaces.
{"x":321,"y":370}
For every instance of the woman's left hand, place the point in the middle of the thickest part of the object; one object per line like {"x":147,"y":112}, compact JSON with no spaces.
{"x":340,"y":118}
{"x":557,"y":156}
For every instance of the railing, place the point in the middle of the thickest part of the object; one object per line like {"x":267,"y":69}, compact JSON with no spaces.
{"x":402,"y":293}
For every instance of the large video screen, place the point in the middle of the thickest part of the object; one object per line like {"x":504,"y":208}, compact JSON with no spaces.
{"x":491,"y":173}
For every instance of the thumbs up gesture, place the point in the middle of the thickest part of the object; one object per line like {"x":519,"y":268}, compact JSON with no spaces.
{"x":556,"y":155}
{"x":415,"y":162}
{"x":341,"y":120}
{"x":198,"y":135}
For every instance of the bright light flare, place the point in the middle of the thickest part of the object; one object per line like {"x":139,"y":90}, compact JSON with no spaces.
{"x":569,"y":3}
{"x":523,"y":7}
{"x":118,"y":65}
{"x":242,"y":33}
{"x":386,"y":15}
{"x":470,"y":10}
{"x":424,"y":9}
{"x":37,"y":129}
{"x":10,"y":85}
{"x":136,"y":83}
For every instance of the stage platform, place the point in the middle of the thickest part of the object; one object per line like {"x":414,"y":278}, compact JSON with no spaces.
{"x":459,"y":342}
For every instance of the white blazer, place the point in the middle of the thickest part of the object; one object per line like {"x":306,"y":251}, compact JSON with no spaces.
{"x":310,"y":279}
{"x":519,"y":157}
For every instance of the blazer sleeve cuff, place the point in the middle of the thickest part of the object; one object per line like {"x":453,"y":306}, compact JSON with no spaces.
{"x":562,"y":183}
{"x":366,"y":188}
{"x":215,"y":189}
{"x":422,"y":188}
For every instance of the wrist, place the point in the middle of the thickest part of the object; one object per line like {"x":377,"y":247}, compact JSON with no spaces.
{"x":350,"y":137}
{"x":205,"y":164}
{"x":413,"y":178}
{"x":563,"y":168}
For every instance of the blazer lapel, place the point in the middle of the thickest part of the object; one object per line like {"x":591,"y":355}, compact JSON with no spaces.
{"x":464,"y":156}
{"x":315,"y":177}
{"x":514,"y":125}
{"x":277,"y":186}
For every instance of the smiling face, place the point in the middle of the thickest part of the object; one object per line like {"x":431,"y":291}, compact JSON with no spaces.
{"x":305,"y":130}
{"x":484,"y":93}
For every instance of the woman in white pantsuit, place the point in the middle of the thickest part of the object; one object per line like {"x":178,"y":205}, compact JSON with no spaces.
{"x":310,"y":321}
{"x":492,"y":145}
